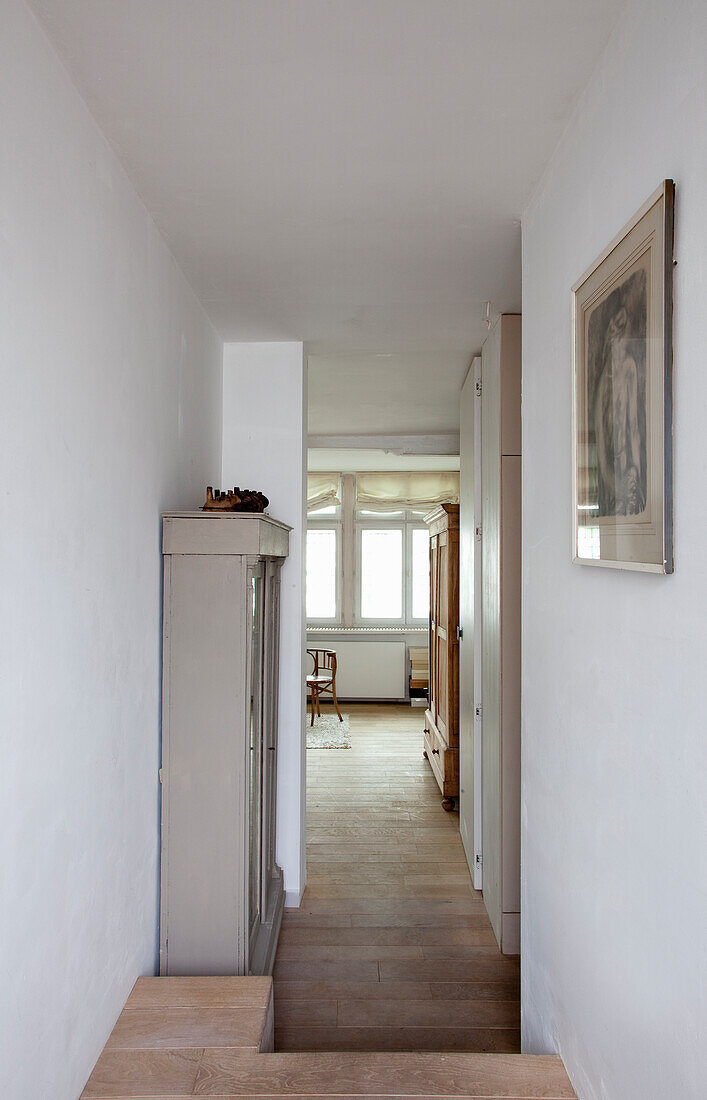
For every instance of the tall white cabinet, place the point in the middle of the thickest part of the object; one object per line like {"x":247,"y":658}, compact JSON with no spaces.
{"x":221,"y":889}
{"x":490,"y":615}
{"x":501,"y":626}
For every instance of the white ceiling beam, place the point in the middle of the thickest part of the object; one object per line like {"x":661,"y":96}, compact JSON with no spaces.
{"x":440,"y":443}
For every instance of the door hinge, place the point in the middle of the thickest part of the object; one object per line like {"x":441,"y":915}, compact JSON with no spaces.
{"x":477,"y":387}
{"x":460,"y":633}
{"x":161,"y":775}
{"x":477,"y":532}
{"x":478,"y":712}
{"x":478,"y":860}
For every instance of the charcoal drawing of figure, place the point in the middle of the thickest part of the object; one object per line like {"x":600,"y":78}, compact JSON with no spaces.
{"x":617,"y":397}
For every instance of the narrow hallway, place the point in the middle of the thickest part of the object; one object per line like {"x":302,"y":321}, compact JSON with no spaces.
{"x":392,"y":948}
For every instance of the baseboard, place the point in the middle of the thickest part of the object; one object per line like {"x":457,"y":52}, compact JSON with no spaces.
{"x":293,"y":899}
{"x":396,"y":701}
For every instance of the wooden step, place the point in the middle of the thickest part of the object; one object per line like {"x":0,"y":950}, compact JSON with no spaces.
{"x":188,"y":1037}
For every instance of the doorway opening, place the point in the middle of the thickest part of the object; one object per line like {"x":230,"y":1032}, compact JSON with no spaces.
{"x":391,"y":948}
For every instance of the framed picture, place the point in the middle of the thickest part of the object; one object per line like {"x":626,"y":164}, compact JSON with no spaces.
{"x":623,"y":396}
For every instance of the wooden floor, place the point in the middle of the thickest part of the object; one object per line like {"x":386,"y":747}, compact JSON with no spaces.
{"x":391,"y":949}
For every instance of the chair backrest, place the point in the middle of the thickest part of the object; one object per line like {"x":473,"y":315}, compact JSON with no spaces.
{"x":323,"y":659}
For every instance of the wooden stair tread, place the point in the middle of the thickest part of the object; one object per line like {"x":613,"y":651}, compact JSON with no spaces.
{"x":236,"y":1015}
{"x":211,"y":992}
{"x":415,"y":1073}
{"x":141,"y":1028}
{"x":226,"y":1072}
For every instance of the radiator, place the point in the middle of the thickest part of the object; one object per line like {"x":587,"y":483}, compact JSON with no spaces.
{"x":367,"y":669}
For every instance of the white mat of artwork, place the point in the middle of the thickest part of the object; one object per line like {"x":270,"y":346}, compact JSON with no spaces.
{"x":328,"y":732}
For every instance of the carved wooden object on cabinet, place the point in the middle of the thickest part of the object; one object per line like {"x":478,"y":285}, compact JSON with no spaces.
{"x":442,"y":717}
{"x":222,"y":892}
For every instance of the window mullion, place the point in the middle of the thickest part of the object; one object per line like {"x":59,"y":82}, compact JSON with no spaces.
{"x":407,"y":573}
{"x":348,"y":550}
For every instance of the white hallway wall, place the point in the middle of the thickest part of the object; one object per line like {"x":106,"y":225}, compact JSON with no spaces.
{"x":614,"y":745}
{"x":265,"y":447}
{"x":110,"y":377}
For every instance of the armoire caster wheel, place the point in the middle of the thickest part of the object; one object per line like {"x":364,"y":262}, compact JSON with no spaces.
{"x":447,"y":804}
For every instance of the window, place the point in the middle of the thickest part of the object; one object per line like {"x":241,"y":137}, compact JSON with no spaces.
{"x":322,"y":573}
{"x":392,"y":571}
{"x":381,"y":573}
{"x":368,"y":566}
{"x":420,"y":569}
{"x":589,"y":542}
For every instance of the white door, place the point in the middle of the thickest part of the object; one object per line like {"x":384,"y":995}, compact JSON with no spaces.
{"x":478,"y":634}
{"x":469,"y":621}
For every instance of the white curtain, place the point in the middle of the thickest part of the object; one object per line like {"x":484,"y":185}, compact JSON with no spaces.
{"x":407,"y":488}
{"x":322,"y":490}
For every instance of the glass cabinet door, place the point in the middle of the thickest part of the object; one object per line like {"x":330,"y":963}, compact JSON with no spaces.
{"x":257,"y":621}
{"x":272,"y":635}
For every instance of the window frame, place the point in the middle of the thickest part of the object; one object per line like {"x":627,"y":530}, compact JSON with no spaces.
{"x":359,"y":528}
{"x":348,"y":522}
{"x":412,"y":526}
{"x":328,"y":523}
{"x":407,"y":521}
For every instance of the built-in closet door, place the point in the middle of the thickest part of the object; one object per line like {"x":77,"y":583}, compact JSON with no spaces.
{"x":500,"y":627}
{"x":470,"y":648}
{"x":491,"y":627}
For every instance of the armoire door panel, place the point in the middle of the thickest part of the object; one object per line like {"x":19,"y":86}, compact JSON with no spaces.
{"x":443,"y":688}
{"x":270,"y":695}
{"x":434,"y":580}
{"x":433,"y":625}
{"x":442,"y":720}
{"x":256,"y":580}
{"x":443,"y":582}
{"x":199,"y":687}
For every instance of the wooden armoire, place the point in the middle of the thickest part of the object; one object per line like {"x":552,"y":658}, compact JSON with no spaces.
{"x":442,"y":716}
{"x":222,"y":891}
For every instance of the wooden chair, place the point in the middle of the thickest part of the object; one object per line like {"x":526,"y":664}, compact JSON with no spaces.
{"x":323,"y":679}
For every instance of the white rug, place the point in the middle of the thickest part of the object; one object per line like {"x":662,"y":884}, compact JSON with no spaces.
{"x":328,"y":732}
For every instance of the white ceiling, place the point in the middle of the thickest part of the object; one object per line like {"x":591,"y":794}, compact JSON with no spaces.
{"x":390,"y":393}
{"x":346,"y":172}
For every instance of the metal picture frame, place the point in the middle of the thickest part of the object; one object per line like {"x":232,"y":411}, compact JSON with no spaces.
{"x":622,"y":436}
